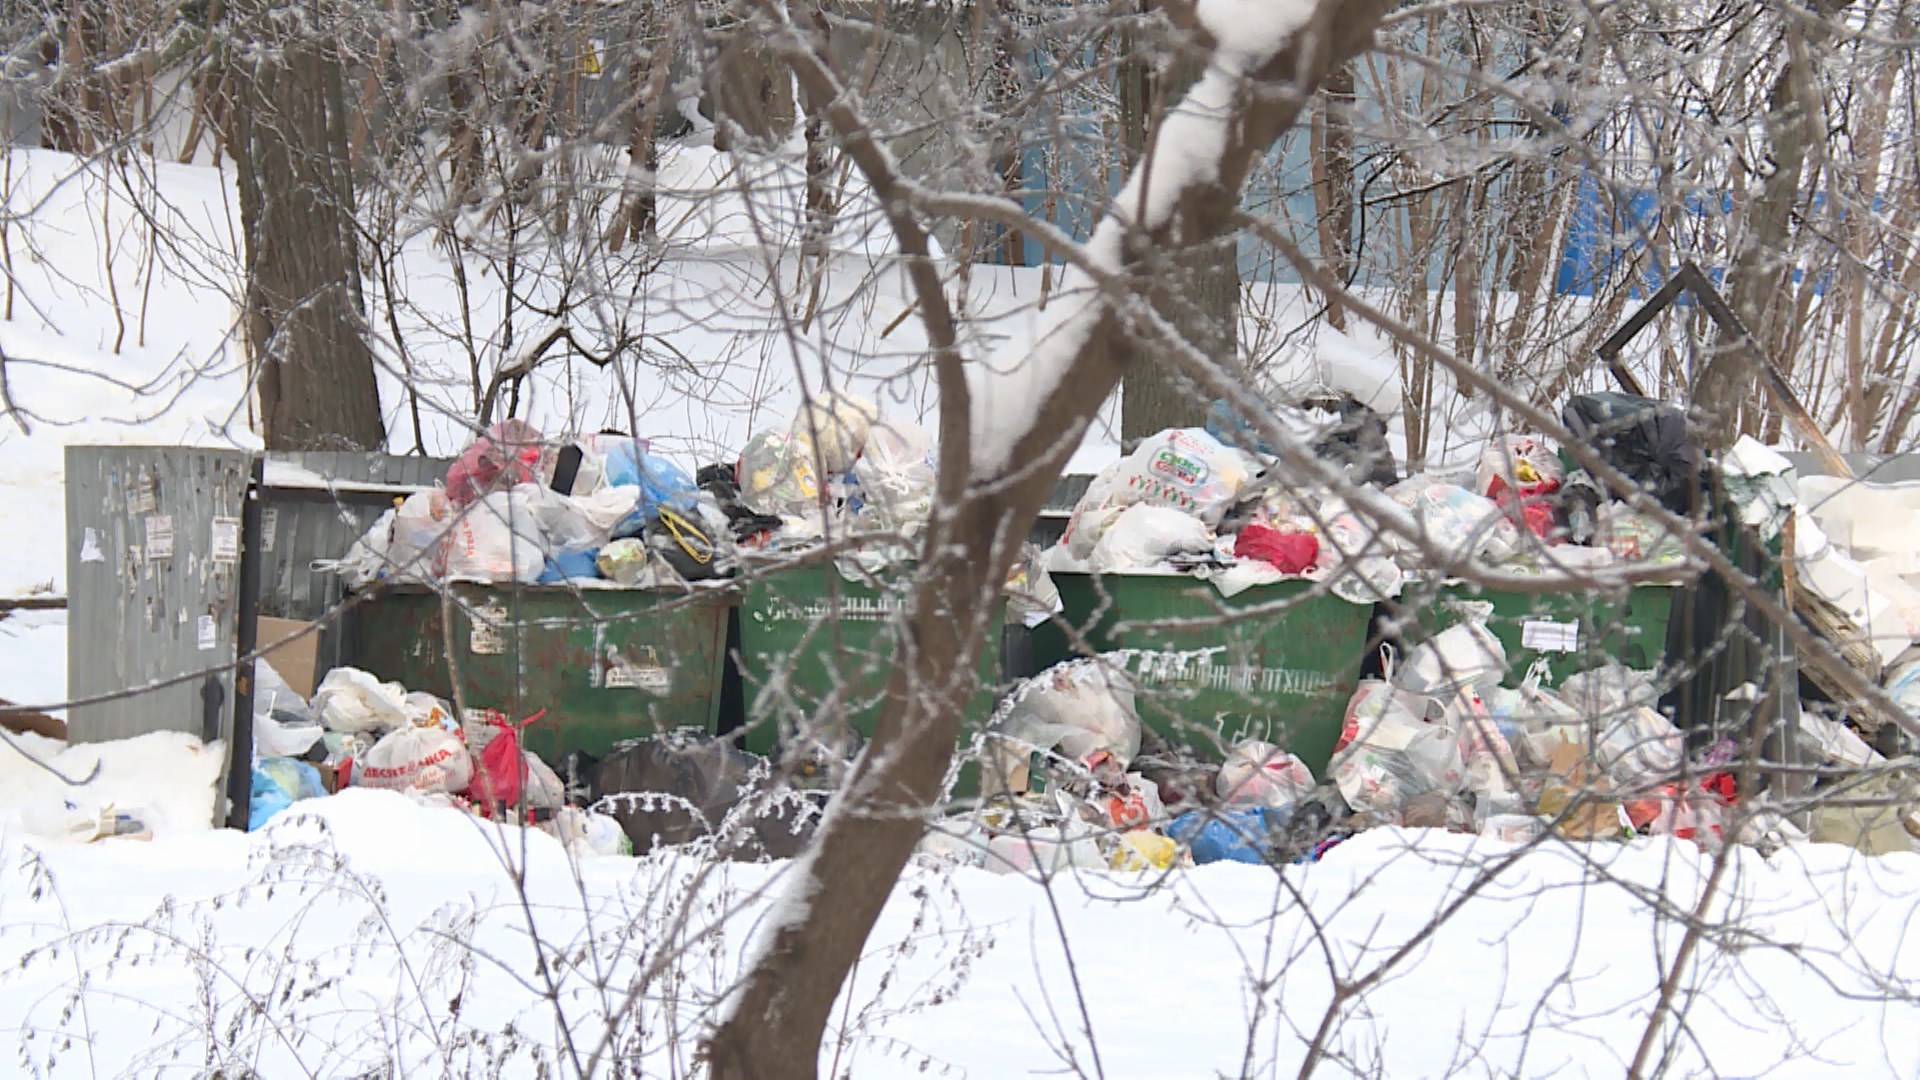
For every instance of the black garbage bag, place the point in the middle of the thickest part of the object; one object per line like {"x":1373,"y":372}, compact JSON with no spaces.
{"x":1648,"y":440}
{"x":719,"y":482}
{"x":1358,"y":440}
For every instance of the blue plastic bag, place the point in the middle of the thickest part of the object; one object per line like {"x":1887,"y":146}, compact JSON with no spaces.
{"x":1227,"y":426}
{"x":661,"y":483}
{"x":277,"y":784}
{"x":570,"y":563}
{"x":1242,"y":836}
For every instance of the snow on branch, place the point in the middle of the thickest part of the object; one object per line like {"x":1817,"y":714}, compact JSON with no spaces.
{"x":1185,"y":155}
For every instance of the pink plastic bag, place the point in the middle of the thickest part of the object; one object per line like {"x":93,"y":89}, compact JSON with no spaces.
{"x":508,"y":454}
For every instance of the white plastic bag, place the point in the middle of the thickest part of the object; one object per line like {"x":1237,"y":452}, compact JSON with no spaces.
{"x":1186,"y":469}
{"x":1457,"y":521}
{"x":564,"y":524}
{"x":497,"y":539}
{"x":1145,"y":535}
{"x":419,"y":536}
{"x":1639,"y":747}
{"x":370,"y":557}
{"x":1093,"y":513}
{"x":544,"y":788}
{"x":1045,"y":850}
{"x":1261,"y":774}
{"x":1074,"y":709}
{"x":352,"y":702}
{"x":428,"y":758}
{"x":1460,"y":655}
{"x":1396,"y":760}
{"x":897,"y":474}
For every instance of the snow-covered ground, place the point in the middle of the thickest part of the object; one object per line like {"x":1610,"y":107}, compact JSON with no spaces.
{"x":378,"y":937}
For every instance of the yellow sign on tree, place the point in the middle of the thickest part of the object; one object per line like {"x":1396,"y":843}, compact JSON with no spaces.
{"x":590,"y":65}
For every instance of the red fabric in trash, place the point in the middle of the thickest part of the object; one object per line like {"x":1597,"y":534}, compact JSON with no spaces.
{"x":1287,"y":552}
{"x":508,"y":454}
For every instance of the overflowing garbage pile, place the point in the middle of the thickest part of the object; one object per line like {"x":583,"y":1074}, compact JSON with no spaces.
{"x":363,"y":733}
{"x":1071,"y":779}
{"x":517,"y":506}
{"x":1216,"y":503}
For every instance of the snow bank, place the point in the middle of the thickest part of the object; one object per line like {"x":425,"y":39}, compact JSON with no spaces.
{"x":397,"y":938}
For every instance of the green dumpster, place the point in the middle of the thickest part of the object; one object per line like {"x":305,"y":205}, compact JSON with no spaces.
{"x":813,"y":643}
{"x":1283,"y":676}
{"x":607,"y":664}
{"x":1572,"y":632}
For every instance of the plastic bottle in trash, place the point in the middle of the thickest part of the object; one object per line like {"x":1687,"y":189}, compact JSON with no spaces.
{"x":1036,"y":773}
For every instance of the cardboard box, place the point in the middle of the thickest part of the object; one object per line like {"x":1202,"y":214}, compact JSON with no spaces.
{"x":296,"y":660}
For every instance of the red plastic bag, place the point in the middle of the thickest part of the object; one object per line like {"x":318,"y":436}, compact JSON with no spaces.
{"x":508,"y":454}
{"x":501,"y":773}
{"x":1287,"y":552}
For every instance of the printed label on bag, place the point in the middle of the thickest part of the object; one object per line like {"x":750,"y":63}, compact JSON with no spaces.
{"x":488,"y":637}
{"x":226,"y":540}
{"x":209,"y":634}
{"x":1545,"y":635}
{"x":159,"y":537}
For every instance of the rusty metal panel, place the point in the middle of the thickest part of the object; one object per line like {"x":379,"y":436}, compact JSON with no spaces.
{"x":608,"y":665}
{"x":153,"y":588}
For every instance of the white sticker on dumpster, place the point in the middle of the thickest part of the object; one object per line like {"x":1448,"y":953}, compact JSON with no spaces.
{"x":488,"y":637}
{"x":642,"y":673}
{"x":1545,"y":635}
{"x":159,"y":537}
{"x":226,"y":540}
{"x":207,"y":633}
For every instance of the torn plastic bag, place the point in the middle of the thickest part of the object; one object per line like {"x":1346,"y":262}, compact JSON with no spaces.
{"x":1372,"y":700}
{"x":1075,"y":709}
{"x":1460,"y":655}
{"x":279,"y":782}
{"x":1261,"y":774}
{"x":1146,"y":535}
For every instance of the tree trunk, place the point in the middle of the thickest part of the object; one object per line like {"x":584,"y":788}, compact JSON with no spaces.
{"x":752,"y":91}
{"x":71,"y":113}
{"x":773,"y":1029}
{"x":463,"y":142}
{"x":303,"y":323}
{"x":1331,"y":159}
{"x":1198,"y":287}
{"x":1763,"y":264}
